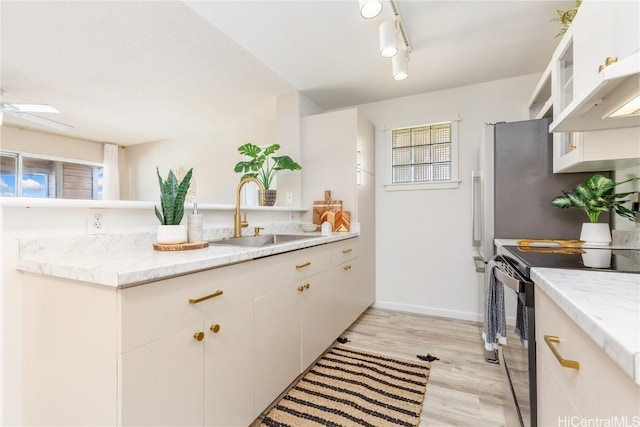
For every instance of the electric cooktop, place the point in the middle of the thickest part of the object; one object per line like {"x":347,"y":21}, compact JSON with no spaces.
{"x":597,"y":259}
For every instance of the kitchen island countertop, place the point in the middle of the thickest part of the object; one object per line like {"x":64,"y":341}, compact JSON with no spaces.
{"x":118,"y":266}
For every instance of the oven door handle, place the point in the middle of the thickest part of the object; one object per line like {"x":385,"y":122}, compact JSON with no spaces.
{"x":510,"y":282}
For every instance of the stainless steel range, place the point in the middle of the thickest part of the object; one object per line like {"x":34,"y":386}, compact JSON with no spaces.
{"x":519,"y":362}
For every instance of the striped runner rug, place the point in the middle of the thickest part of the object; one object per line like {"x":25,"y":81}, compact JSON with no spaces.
{"x":351,"y":387}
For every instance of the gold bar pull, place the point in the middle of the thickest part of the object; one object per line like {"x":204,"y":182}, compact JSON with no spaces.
{"x":601,"y":68}
{"x":300,"y":288}
{"x":565,"y":363}
{"x":346,"y":251}
{"x":306,"y":286}
{"x":215,"y":328}
{"x":306,"y":264}
{"x":213,"y":295}
{"x":199,"y":336}
{"x":610,"y":60}
{"x":347,"y":267}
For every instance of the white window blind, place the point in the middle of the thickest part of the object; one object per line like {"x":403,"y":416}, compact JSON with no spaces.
{"x":422,"y":154}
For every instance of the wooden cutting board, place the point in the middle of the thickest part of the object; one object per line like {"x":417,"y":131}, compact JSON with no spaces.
{"x":326,"y":205}
{"x":180,"y":246}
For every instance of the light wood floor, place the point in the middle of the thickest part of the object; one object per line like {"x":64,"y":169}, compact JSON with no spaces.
{"x":463,"y":389}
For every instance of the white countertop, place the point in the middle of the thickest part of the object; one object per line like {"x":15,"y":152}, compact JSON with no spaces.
{"x":606,"y":305}
{"x":127,"y":266}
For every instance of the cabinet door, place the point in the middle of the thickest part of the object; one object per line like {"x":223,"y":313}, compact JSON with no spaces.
{"x":228,"y":368}
{"x":317,"y":313}
{"x":346,"y":295}
{"x":277,"y":342}
{"x":592,"y":43}
{"x":161,"y":382}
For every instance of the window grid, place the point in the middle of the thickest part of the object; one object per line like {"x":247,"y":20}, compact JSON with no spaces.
{"x":421,"y":154}
{"x":28,"y":175}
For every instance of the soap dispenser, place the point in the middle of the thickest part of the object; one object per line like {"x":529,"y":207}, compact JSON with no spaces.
{"x":194,"y":225}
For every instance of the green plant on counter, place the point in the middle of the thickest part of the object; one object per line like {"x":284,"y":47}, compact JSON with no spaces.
{"x":595,"y":196}
{"x":565,"y":17}
{"x":263,"y":165}
{"x":172,"y":196}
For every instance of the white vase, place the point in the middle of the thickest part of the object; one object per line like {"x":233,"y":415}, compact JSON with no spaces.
{"x":596,"y":234}
{"x":597,"y":258}
{"x":172,"y":234}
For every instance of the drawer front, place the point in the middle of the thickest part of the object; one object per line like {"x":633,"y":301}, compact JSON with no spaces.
{"x":154,"y":310}
{"x":344,"y":251}
{"x":289,"y":268}
{"x":583,"y":386}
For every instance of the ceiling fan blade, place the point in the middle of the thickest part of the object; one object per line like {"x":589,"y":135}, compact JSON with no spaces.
{"x":36,"y":108}
{"x":40,"y":120}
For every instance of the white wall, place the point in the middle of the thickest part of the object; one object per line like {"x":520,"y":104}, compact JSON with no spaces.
{"x":423,"y":238}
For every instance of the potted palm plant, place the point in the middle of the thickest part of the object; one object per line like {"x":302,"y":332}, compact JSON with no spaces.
{"x":595,"y":196}
{"x":172,"y":197}
{"x":263,"y":166}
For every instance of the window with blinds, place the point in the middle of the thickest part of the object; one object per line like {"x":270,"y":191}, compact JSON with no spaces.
{"x":422,"y":154}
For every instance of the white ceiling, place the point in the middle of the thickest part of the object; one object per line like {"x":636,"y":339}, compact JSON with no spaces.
{"x":138,"y":71}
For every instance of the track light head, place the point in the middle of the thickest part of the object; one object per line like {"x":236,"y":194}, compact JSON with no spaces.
{"x":400,"y":67}
{"x":388,"y":47}
{"x":370,"y":8}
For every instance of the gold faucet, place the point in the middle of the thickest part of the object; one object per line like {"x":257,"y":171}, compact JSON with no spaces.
{"x":237,"y":223}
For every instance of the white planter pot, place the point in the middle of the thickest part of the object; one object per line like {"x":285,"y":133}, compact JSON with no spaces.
{"x":172,"y":234}
{"x":597,"y":258}
{"x":597,"y":234}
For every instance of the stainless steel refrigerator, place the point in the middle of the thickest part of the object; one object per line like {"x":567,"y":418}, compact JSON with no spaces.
{"x":515,"y":183}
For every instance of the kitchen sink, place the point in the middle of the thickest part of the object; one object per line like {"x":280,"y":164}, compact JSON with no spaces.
{"x":259,"y":241}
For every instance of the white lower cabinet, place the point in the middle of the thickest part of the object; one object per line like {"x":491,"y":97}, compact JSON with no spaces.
{"x":292,"y":318}
{"x":598,"y":390}
{"x":150,"y":376}
{"x":212,"y":348}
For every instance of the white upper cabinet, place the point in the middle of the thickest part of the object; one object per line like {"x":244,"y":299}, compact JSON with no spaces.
{"x":596,"y":67}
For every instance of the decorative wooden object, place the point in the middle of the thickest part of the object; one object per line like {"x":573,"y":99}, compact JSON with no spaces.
{"x":342,"y":221}
{"x":180,"y":246}
{"x":326,"y":205}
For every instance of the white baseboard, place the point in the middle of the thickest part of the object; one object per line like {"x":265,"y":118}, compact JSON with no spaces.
{"x":433,"y":311}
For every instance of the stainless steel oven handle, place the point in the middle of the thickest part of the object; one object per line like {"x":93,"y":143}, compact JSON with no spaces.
{"x":507,"y":280}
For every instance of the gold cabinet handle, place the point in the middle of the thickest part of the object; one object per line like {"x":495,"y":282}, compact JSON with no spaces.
{"x":346,"y":251}
{"x":565,"y":363}
{"x":601,"y":68}
{"x":306,"y":264}
{"x":347,"y":267}
{"x":610,"y":60}
{"x":213,"y":295}
{"x":199,"y":336}
{"x":215,"y":328}
{"x":303,"y":287}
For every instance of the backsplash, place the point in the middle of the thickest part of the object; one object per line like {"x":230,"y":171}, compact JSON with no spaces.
{"x":626,"y":238}
{"x":43,"y":246}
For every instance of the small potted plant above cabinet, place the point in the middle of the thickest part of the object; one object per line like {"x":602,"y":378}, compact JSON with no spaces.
{"x":263,"y":166}
{"x":172,"y":197}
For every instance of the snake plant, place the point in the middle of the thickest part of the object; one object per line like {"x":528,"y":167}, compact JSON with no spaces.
{"x":595,"y":196}
{"x":263,"y":166}
{"x":172,"y":196}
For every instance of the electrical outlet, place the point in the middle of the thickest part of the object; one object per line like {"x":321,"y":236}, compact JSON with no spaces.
{"x":95,"y":223}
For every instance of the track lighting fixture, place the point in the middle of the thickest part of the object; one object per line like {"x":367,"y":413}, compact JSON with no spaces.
{"x":399,"y":66}
{"x":370,"y":8}
{"x":387,"y":34}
